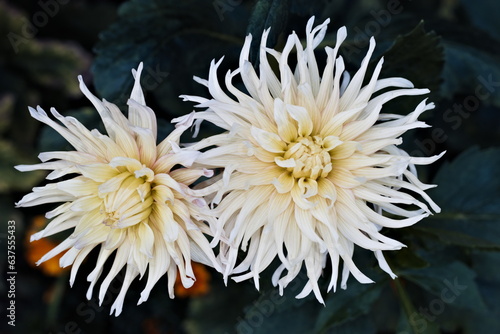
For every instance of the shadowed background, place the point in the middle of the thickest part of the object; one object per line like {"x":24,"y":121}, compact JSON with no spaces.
{"x":449,"y":280}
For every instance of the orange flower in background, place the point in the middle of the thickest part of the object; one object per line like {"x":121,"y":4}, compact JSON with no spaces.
{"x":200,"y":287}
{"x":151,"y":326}
{"x":38,"y":248}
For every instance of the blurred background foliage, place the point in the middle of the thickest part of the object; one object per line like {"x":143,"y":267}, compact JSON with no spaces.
{"x":448,"y":275}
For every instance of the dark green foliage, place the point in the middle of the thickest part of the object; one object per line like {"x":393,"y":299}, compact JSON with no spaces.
{"x":418,"y":54}
{"x":175,"y":40}
{"x":32,"y":73}
{"x":451,"y":47}
{"x":266,"y":14}
{"x":483,"y":15}
{"x":349,"y":304}
{"x":469,"y":195}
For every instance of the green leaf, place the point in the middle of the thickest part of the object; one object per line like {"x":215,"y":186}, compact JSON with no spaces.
{"x":468,"y":192}
{"x":33,"y":72}
{"x":262,"y":318}
{"x":484,"y":14}
{"x":412,"y":320}
{"x":53,"y":65}
{"x":459,"y":122}
{"x":405,"y":258}
{"x":453,"y":284}
{"x":319,"y":8}
{"x":6,"y":106}
{"x":424,"y":51}
{"x":272,"y":313}
{"x":175,"y":40}
{"x":221,"y":309}
{"x":361,"y":325}
{"x":486,"y":265}
{"x":451,"y":237}
{"x":266,"y":14}
{"x":345,"y":305}
{"x":472,"y":64}
{"x":49,"y":64}
{"x":12,"y":179}
{"x":471,"y":70}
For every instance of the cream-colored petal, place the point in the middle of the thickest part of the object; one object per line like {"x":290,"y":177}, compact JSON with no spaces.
{"x":269,"y":141}
{"x":304,"y":120}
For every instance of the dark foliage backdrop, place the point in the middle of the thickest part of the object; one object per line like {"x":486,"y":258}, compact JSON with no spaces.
{"x":448,"y":275}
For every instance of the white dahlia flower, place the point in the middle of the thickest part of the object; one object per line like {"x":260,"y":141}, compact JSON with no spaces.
{"x":312,"y":166}
{"x":124,"y":193}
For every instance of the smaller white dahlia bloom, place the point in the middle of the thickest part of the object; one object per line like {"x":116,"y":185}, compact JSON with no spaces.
{"x":126,"y":194}
{"x":312,"y":166}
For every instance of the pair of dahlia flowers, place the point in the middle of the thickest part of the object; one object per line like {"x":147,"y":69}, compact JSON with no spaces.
{"x":310,"y":167}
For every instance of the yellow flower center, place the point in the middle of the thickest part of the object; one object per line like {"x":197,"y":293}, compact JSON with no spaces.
{"x":312,"y":159}
{"x":127,"y":197}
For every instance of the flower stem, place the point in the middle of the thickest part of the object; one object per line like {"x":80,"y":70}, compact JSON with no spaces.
{"x":408,"y":307}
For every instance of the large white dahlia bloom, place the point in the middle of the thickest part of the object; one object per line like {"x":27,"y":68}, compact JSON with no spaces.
{"x":312,"y":166}
{"x":122,"y":193}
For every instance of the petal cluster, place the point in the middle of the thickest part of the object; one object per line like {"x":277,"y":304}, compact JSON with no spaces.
{"x":310,"y":168}
{"x":311,"y":165}
{"x":125,"y":193}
